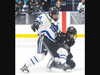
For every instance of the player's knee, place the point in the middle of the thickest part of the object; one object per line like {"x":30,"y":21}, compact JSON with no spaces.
{"x":62,"y":51}
{"x":40,"y":56}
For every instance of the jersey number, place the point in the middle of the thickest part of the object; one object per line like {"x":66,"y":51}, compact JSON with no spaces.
{"x":39,"y":20}
{"x":52,"y":28}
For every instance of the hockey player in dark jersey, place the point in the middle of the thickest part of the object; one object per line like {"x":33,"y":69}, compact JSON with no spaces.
{"x":66,"y":40}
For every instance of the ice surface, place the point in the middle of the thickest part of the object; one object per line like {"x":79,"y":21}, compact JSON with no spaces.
{"x":25,"y":48}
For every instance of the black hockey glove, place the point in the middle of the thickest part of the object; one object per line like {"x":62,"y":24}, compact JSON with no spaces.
{"x":60,"y":37}
{"x":82,"y":9}
{"x":35,"y":26}
{"x":70,"y":43}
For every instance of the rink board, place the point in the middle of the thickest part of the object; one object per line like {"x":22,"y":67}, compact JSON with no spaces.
{"x":25,"y":31}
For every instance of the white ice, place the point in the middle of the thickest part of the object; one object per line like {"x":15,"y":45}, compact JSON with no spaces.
{"x":25,"y":48}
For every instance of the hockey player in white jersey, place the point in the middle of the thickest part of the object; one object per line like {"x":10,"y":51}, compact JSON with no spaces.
{"x":81,"y":10}
{"x":48,"y":36}
{"x":81,"y":6}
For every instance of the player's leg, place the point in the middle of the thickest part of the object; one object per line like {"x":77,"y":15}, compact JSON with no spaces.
{"x":82,"y":17}
{"x":41,"y":52}
{"x":60,"y":59}
{"x":62,"y":55}
{"x":32,"y":61}
{"x":59,"y":53}
{"x":52,"y":62}
{"x":41,"y":48}
{"x":36,"y":58}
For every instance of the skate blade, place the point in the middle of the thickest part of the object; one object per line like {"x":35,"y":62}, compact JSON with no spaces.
{"x":25,"y":71}
{"x":68,"y":70}
{"x":59,"y":70}
{"x":56,"y":69}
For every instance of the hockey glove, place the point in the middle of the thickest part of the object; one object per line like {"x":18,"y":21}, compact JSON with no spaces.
{"x":35,"y":26}
{"x":60,"y":37}
{"x":81,"y":9}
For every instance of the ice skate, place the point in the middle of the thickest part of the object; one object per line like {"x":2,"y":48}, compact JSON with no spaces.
{"x":68,"y":68}
{"x":63,"y":66}
{"x":51,"y":65}
{"x":24,"y":69}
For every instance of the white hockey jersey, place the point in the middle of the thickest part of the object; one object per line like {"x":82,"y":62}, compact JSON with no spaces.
{"x":46,"y":28}
{"x":80,"y":5}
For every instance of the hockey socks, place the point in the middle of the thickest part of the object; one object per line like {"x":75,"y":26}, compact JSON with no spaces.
{"x":62,"y":55}
{"x":35,"y":59}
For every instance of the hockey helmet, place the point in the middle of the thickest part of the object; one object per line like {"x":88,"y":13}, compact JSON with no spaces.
{"x":53,"y":10}
{"x":72,"y":31}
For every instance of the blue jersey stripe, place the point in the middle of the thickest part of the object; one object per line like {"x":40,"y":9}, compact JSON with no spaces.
{"x":40,"y":44}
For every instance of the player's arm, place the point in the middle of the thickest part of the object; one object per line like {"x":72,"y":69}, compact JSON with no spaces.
{"x":68,"y":46}
{"x":60,"y":37}
{"x":36,"y":23}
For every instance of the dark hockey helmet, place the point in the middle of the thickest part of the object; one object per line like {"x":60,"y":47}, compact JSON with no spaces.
{"x":53,"y":10}
{"x":72,"y":30}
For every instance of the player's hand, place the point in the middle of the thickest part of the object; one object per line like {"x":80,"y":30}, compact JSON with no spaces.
{"x":81,"y":9}
{"x":58,"y":36}
{"x":35,"y":26}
